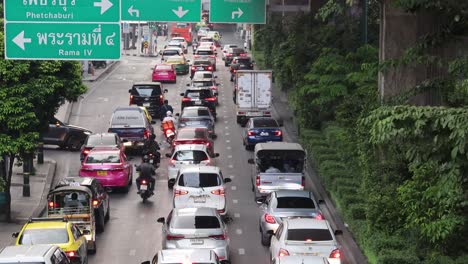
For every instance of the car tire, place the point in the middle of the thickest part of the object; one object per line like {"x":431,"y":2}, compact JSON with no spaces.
{"x":100,"y":221}
{"x":107,"y":217}
{"x":74,"y":143}
{"x":94,"y":249}
{"x":265,"y":239}
{"x":226,"y":64}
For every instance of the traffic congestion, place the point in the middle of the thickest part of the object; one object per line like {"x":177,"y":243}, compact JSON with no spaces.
{"x":183,"y":160}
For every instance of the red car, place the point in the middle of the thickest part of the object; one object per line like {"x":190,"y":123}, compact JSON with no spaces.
{"x":195,"y":135}
{"x":164,"y":73}
{"x":110,"y":166}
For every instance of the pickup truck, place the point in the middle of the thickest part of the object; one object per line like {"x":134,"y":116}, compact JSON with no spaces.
{"x":278,"y":166}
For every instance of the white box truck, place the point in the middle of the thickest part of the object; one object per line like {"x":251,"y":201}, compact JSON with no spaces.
{"x":252,"y":94}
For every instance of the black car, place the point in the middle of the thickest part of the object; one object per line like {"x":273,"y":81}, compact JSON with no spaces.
{"x":200,"y":96}
{"x":240,"y":63}
{"x":197,"y":116}
{"x":65,"y":135}
{"x":231,"y":53}
{"x":200,"y":65}
{"x":101,"y":202}
{"x":132,"y":126}
{"x":149,"y":95}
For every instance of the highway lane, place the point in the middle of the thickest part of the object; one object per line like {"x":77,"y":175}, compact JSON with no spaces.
{"x":133,"y":235}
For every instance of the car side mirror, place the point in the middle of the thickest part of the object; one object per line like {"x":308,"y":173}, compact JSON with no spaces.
{"x":218,"y":84}
{"x":146,"y":262}
{"x":165,"y":90}
{"x":129,"y":90}
{"x":270,"y":232}
{"x":216,"y":155}
{"x":168,"y":155}
{"x":161,"y":220}
{"x":227,"y":180}
{"x":188,"y":84}
{"x":215,"y":94}
{"x":280,"y":122}
{"x":153,"y":121}
{"x":182,"y":94}
{"x":177,"y":114}
{"x":86,"y":232}
{"x":338,"y":232}
{"x":321,"y":201}
{"x":216,"y":77}
{"x":152,"y":68}
{"x":213,"y":136}
{"x":260,"y":200}
{"x":251,"y":161}
{"x":15,"y":234}
{"x":188,"y":60}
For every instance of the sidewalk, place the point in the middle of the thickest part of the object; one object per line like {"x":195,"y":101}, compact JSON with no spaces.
{"x":22,"y":208}
{"x":137,"y":51}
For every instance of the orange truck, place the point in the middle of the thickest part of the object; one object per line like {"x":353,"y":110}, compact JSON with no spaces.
{"x":182,"y":30}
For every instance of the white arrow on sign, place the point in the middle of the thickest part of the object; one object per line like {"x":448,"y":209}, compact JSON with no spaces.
{"x":238,"y":13}
{"x":104,"y":5}
{"x":180,"y":12}
{"x":20,"y":40}
{"x":136,"y":11}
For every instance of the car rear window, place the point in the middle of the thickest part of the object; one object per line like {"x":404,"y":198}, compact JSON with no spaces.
{"x":200,"y":62}
{"x":205,"y":52}
{"x":198,"y":93}
{"x":170,"y":52}
{"x":309,"y":235}
{"x":198,"y":180}
{"x":202,"y":83}
{"x":191,"y":133}
{"x":237,"y":50}
{"x":44,"y":236}
{"x":204,"y":75}
{"x":243,"y":61}
{"x":195,"y":112}
{"x":163,"y":67}
{"x":101,"y":140}
{"x":94,"y":158}
{"x":128,"y":118}
{"x":265,"y":123}
{"x":195,"y":222}
{"x":175,"y":60}
{"x":190,"y":155}
{"x":153,"y":90}
{"x":295,"y":202}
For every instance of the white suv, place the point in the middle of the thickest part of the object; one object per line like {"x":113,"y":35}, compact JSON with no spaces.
{"x":46,"y":254}
{"x":200,"y":186}
{"x":188,"y":155}
{"x":186,"y":256}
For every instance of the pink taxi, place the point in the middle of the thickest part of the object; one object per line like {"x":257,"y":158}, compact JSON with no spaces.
{"x":164,"y":73}
{"x":110,"y":166}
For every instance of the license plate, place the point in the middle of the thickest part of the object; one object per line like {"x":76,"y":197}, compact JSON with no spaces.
{"x":144,"y":187}
{"x":196,"y":241}
{"x":198,"y":102}
{"x":102,"y":173}
{"x":200,"y":68}
{"x":146,"y":104}
{"x":254,"y":113}
{"x":264,"y":134}
{"x":199,"y":199}
{"x":127,"y":144}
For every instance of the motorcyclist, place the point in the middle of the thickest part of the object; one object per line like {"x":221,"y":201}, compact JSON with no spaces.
{"x":169,"y":117}
{"x":146,"y":172}
{"x":151,"y":146}
{"x":164,"y":108}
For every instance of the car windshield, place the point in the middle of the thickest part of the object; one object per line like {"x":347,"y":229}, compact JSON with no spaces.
{"x":264,"y":123}
{"x":100,"y":140}
{"x":198,"y":180}
{"x":202,"y":83}
{"x":163,"y":68}
{"x":201,"y":63}
{"x":198,"y":93}
{"x":127,"y":118}
{"x":309,"y":235}
{"x":205,"y":52}
{"x":190,"y":155}
{"x":94,"y":158}
{"x":195,"y":113}
{"x":146,"y":90}
{"x":295,"y":202}
{"x":195,"y":222}
{"x":44,"y":236}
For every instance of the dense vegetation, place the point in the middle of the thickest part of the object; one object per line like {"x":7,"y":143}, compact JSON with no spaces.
{"x":398,"y":173}
{"x":30,"y":94}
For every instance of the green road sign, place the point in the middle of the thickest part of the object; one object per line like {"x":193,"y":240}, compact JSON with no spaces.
{"x":238,"y":11}
{"x":54,"y":41}
{"x":161,"y":10}
{"x":62,"y":10}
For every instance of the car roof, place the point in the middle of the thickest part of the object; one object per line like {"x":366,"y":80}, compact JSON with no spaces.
{"x":278,"y":146}
{"x":197,"y":88}
{"x":205,"y":211}
{"x":190,"y":147}
{"x":204,"y":49}
{"x":46,"y":224}
{"x":129,"y":108}
{"x":183,"y":255}
{"x":203,"y":80}
{"x":85,"y":181}
{"x":200,"y":169}
{"x":68,"y":188}
{"x":292,"y":193}
{"x":307,"y":223}
{"x":25,"y":253}
{"x":181,"y":38}
{"x":302,"y":259}
{"x":104,"y":149}
{"x":196,"y":107}
{"x":147,"y":84}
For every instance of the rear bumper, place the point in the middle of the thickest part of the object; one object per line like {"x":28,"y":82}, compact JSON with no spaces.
{"x":133,"y":143}
{"x":261,"y":191}
{"x":252,"y":140}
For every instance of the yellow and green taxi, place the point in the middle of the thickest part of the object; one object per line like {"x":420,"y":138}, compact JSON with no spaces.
{"x":181,"y":65}
{"x":53,"y":231}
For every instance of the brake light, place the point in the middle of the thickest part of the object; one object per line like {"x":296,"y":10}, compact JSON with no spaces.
{"x":86,"y":151}
{"x":71,"y":254}
{"x":211,"y":99}
{"x":210,"y":68}
{"x":147,"y":133}
{"x":214,"y":88}
{"x":242,"y":54}
{"x":234,"y":71}
{"x":218,"y":192}
{"x":303,"y":181}
{"x":267,"y":113}
{"x":257,"y":180}
{"x":218,"y":237}
{"x":161,"y":99}
{"x":251,"y":133}
{"x":143,"y":182}
{"x":186,"y":99}
{"x":52,"y":204}
{"x":173,"y":161}
{"x":95,"y":202}
{"x":336,"y":253}
{"x":196,"y":56}
{"x":178,"y":192}
{"x":193,"y":68}
{"x":269,"y":219}
{"x":131,"y":99}
{"x":283,"y":252}
{"x":278,"y":133}
{"x":174,"y":237}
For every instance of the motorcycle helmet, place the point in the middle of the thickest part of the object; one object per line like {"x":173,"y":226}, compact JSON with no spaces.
{"x":168,"y":113}
{"x":146,"y":158}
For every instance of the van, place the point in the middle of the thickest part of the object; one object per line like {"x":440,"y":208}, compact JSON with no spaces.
{"x":34,"y":254}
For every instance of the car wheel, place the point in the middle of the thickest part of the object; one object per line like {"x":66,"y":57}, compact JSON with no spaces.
{"x":100,"y":221}
{"x":74,"y":143}
{"x":170,"y":184}
{"x":126,"y":188}
{"x":225,"y":64}
{"x":131,"y":181}
{"x":94,"y":249}
{"x":107,"y":217}
{"x":265,"y":239}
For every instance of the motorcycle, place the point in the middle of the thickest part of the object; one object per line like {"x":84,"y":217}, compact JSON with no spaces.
{"x":168,"y":131}
{"x":145,"y":190}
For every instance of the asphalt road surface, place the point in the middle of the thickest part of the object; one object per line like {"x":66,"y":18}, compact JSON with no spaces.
{"x":132,"y":235}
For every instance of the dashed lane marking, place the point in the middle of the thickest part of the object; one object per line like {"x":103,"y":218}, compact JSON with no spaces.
{"x":233,"y":188}
{"x":235,"y":201}
{"x":239,"y":231}
{"x":237,"y":215}
{"x":241,"y":251}
{"x":132,"y":252}
{"x":228,"y":141}
{"x":142,"y":216}
{"x":227,"y":134}
{"x":228,"y":148}
{"x":231,"y":166}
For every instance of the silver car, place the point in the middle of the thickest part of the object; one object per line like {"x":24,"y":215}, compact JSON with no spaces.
{"x":171,"y":256}
{"x":188,"y":155}
{"x":300,"y":259}
{"x":285,"y":204}
{"x":200,"y":75}
{"x":195,"y":228}
{"x":200,"y":186}
{"x":305,"y":237}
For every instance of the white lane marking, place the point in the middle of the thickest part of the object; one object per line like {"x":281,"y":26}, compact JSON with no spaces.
{"x":232,"y":176}
{"x":233,"y":188}
{"x":227,"y":140}
{"x":226,"y":127}
{"x":239,"y":231}
{"x":228,"y":148}
{"x":241,"y":251}
{"x":226,"y":121}
{"x":235,"y":201}
{"x":237,"y":215}
{"x":229,"y":156}
{"x":132,"y":252}
{"x":224,"y":110}
{"x":142,"y":216}
{"x":225,"y":117}
{"x":231,"y":166}
{"x":227,"y":134}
